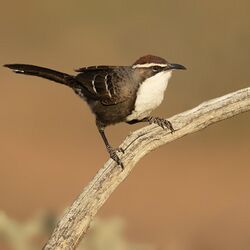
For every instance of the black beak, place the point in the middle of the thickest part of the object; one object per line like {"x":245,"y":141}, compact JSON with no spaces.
{"x":176,"y":66}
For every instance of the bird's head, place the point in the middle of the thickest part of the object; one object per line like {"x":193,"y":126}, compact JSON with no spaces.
{"x":155,"y":67}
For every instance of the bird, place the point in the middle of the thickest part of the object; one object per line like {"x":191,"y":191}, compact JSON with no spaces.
{"x":116,"y":93}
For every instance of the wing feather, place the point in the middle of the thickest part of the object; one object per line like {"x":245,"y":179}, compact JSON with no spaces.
{"x":102,"y":82}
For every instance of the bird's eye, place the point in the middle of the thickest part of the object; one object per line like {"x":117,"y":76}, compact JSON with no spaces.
{"x":156,"y":68}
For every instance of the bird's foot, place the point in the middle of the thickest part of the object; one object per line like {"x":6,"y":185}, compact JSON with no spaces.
{"x":121,"y":150}
{"x":115,"y":157}
{"x":162,"y":123}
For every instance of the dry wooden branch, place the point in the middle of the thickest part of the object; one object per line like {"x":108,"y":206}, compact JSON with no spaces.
{"x":76,"y":220}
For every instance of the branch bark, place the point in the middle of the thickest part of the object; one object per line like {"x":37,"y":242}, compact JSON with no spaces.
{"x":76,"y":220}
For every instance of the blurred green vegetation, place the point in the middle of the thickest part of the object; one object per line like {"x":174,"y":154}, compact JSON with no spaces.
{"x":104,"y":234}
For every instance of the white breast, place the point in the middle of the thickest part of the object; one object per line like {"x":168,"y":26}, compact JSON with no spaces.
{"x":150,"y":95}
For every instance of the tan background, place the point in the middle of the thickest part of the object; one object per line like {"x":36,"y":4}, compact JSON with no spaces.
{"x":191,"y":194}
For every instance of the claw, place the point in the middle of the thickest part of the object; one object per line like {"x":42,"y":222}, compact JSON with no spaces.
{"x":169,"y":125}
{"x":114,"y":156}
{"x":162,"y":123}
{"x":121,"y":150}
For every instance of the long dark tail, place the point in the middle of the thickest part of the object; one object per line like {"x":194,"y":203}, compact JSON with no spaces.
{"x":50,"y":74}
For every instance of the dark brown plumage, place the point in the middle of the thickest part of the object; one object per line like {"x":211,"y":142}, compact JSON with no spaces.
{"x":150,"y":58}
{"x":110,"y":91}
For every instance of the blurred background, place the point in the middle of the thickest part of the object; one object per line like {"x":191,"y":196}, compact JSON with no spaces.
{"x":190,"y":194}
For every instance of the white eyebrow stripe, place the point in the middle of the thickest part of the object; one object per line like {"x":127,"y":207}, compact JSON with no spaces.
{"x":148,"y":65}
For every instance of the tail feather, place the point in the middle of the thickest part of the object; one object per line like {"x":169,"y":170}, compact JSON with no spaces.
{"x":50,"y":74}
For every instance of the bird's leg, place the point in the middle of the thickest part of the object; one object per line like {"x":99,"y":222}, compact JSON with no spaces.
{"x":156,"y":120}
{"x":111,"y":151}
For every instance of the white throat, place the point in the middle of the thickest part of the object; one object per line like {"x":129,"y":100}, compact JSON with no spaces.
{"x":150,"y":95}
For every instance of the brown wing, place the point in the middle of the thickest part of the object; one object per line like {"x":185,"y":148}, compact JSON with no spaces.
{"x":102,"y":82}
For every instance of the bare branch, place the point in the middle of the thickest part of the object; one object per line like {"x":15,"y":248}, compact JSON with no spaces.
{"x":76,"y":220}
